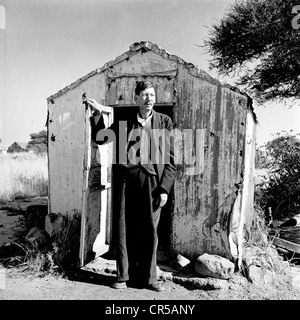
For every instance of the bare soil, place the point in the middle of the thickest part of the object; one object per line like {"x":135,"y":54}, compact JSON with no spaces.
{"x":91,"y":286}
{"x":86,"y":285}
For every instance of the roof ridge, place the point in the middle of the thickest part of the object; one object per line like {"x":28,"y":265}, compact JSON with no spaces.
{"x":147,"y":46}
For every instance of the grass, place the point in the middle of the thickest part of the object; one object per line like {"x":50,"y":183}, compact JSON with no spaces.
{"x":58,"y":257}
{"x":259,"y":230}
{"x":31,"y":261}
{"x":23,"y":175}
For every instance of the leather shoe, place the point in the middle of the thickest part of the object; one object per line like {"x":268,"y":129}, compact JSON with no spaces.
{"x":119,"y":285}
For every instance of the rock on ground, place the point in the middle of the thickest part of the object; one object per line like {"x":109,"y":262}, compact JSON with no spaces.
{"x":257,"y":256}
{"x":259,"y":275}
{"x":39,"y":238}
{"x":214,"y":266}
{"x":259,"y":264}
{"x":180,"y":262}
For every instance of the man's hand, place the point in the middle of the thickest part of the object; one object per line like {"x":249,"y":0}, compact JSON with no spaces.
{"x":162,"y":199}
{"x":94,"y":104}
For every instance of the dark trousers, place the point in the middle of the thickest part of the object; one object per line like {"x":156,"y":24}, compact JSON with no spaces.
{"x":137,"y":227}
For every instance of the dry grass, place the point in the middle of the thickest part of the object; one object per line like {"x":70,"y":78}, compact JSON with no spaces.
{"x":258,"y":230}
{"x":23,"y":175}
{"x":58,"y":257}
{"x":31,"y":261}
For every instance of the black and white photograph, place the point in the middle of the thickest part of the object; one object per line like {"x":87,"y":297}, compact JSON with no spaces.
{"x":150,"y":152}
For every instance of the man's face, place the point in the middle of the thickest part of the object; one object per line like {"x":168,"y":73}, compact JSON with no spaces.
{"x":145,"y":100}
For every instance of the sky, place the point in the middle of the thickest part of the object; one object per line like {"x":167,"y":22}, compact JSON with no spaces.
{"x":46,"y":45}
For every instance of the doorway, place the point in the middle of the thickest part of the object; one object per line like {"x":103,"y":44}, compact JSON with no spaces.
{"x":123,"y":112}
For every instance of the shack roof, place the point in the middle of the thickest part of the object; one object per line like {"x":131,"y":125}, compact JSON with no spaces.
{"x":23,"y":145}
{"x":145,"y":46}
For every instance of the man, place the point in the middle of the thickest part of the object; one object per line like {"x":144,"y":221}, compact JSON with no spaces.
{"x":145,"y":173}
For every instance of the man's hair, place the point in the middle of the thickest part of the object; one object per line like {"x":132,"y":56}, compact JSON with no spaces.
{"x":142,"y":85}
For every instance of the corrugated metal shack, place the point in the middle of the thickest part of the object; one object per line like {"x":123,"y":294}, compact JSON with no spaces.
{"x":215,"y":125}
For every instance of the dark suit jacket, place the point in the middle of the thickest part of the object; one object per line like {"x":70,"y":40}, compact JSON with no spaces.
{"x":166,"y":171}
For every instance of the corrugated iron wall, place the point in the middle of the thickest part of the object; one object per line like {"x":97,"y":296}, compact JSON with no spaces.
{"x":66,"y":147}
{"x":204,"y":201}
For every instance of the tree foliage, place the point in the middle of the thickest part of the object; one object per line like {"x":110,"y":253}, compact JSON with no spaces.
{"x":281,"y":191}
{"x":258,"y":40}
{"x":38,"y":142}
{"x":260,"y":158}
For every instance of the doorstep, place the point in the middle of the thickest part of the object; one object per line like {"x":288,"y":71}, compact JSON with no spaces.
{"x":108,"y":266}
{"x":165,"y":272}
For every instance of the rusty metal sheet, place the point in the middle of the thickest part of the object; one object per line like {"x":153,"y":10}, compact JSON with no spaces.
{"x":121,"y":90}
{"x":66,"y":154}
{"x":143,"y":64}
{"x":203,"y":202}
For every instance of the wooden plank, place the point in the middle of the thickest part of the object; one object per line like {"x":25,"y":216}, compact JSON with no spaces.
{"x":121,"y":90}
{"x":86,"y":162}
{"x":170,"y":74}
{"x":286,"y":244}
{"x":143,"y":64}
{"x":95,"y":208}
{"x":100,"y":265}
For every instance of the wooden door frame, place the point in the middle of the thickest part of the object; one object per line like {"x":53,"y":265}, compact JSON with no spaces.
{"x":104,"y":186}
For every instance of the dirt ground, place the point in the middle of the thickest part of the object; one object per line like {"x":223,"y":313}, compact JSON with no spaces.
{"x":86,"y":285}
{"x":91,"y":286}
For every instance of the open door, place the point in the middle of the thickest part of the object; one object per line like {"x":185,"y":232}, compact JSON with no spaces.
{"x":96,"y":211}
{"x":122,"y":113}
